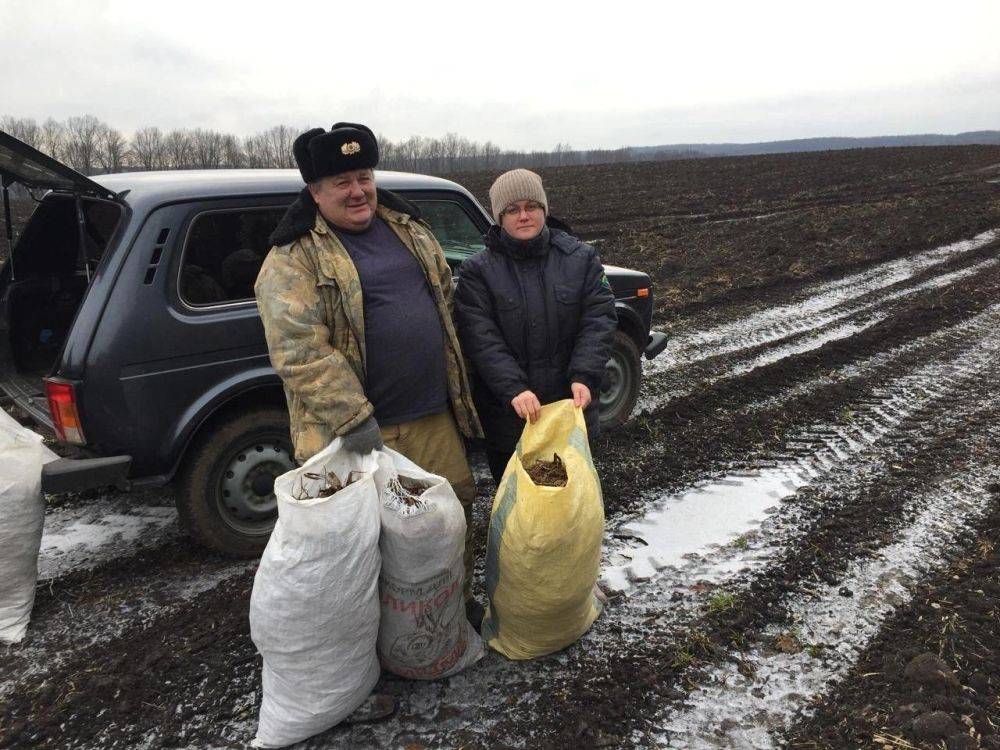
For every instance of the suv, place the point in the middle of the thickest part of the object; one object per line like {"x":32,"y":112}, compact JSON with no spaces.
{"x":128,"y":326}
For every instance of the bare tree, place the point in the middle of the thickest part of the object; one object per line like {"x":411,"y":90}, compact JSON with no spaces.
{"x":86,"y":143}
{"x":280,"y":139}
{"x":387,"y":152}
{"x":82,"y":137}
{"x":206,"y":148}
{"x":53,"y":138}
{"x":232,"y":154}
{"x":149,"y":149}
{"x":177,"y":148}
{"x":254,"y":156}
{"x":23,"y":128}
{"x":112,"y":149}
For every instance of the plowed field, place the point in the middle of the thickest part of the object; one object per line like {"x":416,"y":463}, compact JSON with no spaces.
{"x":802,"y":544}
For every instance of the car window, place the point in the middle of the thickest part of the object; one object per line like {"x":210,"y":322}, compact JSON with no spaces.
{"x":454,"y":228}
{"x":223,"y":254}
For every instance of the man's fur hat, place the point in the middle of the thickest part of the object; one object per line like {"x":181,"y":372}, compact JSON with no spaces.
{"x":346,"y":146}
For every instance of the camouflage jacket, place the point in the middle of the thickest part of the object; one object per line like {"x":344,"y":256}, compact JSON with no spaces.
{"x":310,"y":302}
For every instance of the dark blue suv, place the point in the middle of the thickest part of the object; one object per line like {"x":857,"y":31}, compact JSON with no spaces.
{"x":128,"y":326}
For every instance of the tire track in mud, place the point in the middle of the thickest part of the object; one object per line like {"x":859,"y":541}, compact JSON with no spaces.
{"x":721,"y":510}
{"x":694,"y":435}
{"x":93,"y":605}
{"x":85,"y":534}
{"x":814,"y":302}
{"x":827,"y":312}
{"x":954,"y":613}
{"x":757,"y":694}
{"x":199,"y":645}
{"x":668,"y":637}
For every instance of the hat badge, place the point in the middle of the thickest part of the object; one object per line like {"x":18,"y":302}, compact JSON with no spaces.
{"x":351,"y":147}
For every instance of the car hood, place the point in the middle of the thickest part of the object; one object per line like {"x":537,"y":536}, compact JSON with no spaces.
{"x":625,"y":278}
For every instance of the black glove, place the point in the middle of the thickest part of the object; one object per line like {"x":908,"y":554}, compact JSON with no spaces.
{"x":364,"y":438}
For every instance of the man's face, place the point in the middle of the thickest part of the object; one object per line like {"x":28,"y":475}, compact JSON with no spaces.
{"x":523,"y":220}
{"x":347,"y":200}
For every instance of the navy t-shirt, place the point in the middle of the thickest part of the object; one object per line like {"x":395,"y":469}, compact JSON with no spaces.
{"x":404,"y":342}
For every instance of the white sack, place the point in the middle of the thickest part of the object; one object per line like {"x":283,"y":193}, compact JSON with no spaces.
{"x":314,"y":608}
{"x":423,"y":630}
{"x":22,"y":513}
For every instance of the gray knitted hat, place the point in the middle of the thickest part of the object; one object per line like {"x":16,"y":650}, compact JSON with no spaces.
{"x":516,"y":185}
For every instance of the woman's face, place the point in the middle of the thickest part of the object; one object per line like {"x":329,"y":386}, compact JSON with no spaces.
{"x":523,"y":220}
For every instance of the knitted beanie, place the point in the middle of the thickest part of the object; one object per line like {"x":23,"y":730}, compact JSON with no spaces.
{"x":516,"y":185}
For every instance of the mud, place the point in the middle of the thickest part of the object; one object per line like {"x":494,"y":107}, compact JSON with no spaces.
{"x":933,"y":673}
{"x":739,"y":228}
{"x":833,"y":446}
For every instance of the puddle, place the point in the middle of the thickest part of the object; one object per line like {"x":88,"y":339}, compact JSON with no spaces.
{"x":680,"y":529}
{"x":699,"y":519}
{"x":733,"y":710}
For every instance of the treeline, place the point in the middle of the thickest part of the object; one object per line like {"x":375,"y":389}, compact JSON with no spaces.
{"x":92,"y":147}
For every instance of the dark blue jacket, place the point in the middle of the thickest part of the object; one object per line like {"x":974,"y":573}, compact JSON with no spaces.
{"x":533,"y":316}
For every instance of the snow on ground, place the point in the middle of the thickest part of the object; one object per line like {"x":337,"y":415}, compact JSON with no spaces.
{"x":836,"y":621}
{"x":84,"y":535}
{"x":697,"y":521}
{"x":822,"y":305}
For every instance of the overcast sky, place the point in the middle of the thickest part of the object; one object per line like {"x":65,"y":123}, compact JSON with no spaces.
{"x":522,"y":74}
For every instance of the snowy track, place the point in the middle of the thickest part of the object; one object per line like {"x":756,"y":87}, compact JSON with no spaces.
{"x":759,"y":693}
{"x":826,"y":312}
{"x":866,"y":499}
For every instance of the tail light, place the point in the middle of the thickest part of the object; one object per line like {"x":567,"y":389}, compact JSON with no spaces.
{"x":643,"y":292}
{"x":65,"y":416}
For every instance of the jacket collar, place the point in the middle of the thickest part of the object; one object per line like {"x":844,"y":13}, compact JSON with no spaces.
{"x":559,"y":239}
{"x":303,"y":216}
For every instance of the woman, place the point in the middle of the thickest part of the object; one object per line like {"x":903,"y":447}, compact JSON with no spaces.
{"x":535,"y":314}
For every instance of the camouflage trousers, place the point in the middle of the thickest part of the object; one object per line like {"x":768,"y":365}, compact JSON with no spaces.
{"x":434,"y":444}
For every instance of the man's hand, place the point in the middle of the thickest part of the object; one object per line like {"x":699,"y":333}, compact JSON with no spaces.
{"x":364,"y":438}
{"x":581,"y":395}
{"x":526,"y":405}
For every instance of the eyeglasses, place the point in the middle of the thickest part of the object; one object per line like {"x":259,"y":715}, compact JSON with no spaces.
{"x":514,"y":210}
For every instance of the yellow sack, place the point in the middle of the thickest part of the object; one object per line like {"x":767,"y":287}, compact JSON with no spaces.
{"x":544,"y":551}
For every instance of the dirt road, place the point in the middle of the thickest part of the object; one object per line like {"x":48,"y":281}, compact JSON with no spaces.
{"x":807,"y":499}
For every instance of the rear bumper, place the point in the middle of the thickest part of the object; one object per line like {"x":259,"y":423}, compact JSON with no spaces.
{"x":657,"y":343}
{"x":75,"y":475}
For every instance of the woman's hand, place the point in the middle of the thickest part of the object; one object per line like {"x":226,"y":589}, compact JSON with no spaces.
{"x":581,"y":395}
{"x":526,"y":405}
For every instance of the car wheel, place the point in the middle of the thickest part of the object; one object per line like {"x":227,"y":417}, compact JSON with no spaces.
{"x":225,"y":494}
{"x":622,"y":378}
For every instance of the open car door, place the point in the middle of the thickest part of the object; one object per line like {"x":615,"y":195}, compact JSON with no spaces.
{"x":22,"y":163}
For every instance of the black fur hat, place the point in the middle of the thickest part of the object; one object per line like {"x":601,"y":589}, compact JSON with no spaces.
{"x":346,"y":146}
{"x":300,"y":150}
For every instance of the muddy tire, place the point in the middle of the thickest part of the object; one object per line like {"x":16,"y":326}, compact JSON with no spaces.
{"x":622,"y":379}
{"x":225,"y":492}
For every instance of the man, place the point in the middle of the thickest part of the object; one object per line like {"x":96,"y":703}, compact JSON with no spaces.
{"x":356,"y":301}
